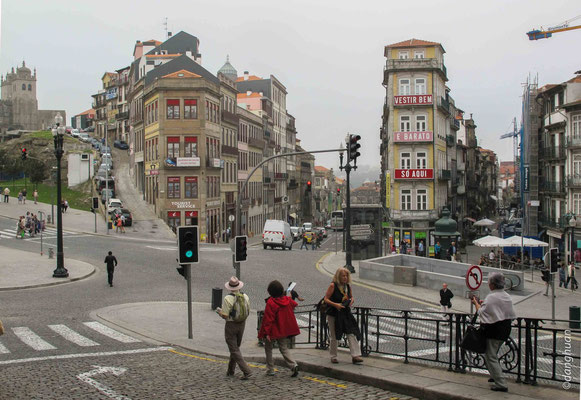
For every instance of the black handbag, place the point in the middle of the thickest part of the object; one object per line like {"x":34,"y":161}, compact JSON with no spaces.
{"x":474,"y":339}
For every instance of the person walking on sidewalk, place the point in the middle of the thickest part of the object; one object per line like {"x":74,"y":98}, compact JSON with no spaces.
{"x":547,"y":279}
{"x":6,"y":195}
{"x":35,"y":195}
{"x":24,"y":192}
{"x":235,"y":309}
{"x":496,"y":314}
{"x":111,"y":262}
{"x":19,"y":197}
{"x":279,"y":324}
{"x":339,"y":318}
{"x":563,"y":276}
{"x":571,"y":278}
{"x":445,"y":297}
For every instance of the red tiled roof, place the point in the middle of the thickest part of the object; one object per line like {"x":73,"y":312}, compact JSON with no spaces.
{"x":320,"y":168}
{"x":241,"y":96}
{"x":576,"y":79}
{"x":89,"y":111}
{"x":250,"y":78}
{"x":412,"y":43}
{"x":161,"y":55}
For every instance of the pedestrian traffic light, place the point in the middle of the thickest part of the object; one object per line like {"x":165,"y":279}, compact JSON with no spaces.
{"x":95,"y":203}
{"x":187,"y":244}
{"x":23,"y":155}
{"x":353,"y":147}
{"x":555,"y":259}
{"x":241,"y":249}
{"x":309,"y":186}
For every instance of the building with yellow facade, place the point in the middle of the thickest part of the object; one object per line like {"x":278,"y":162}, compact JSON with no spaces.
{"x":416,"y":133}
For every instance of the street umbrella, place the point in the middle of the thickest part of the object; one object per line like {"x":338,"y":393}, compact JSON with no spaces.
{"x":484,"y":222}
{"x":518,"y":241}
{"x":490,"y":241}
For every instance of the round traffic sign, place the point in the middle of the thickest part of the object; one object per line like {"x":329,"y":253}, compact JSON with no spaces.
{"x":231,"y":218}
{"x":474,"y":277}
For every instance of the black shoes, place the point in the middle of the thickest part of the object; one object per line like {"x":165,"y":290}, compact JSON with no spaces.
{"x":295,"y":371}
{"x":498,"y":389}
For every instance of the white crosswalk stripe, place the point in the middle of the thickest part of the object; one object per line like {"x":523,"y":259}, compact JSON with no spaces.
{"x":30,"y":338}
{"x":73,"y":336}
{"x":111,"y":333}
{"x":3,"y":349}
{"x":48,"y":233}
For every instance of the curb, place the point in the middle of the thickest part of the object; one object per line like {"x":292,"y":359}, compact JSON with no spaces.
{"x":50,"y":283}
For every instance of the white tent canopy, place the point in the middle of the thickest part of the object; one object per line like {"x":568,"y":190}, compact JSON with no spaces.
{"x":484,"y":222}
{"x":518,"y":241}
{"x":490,"y":241}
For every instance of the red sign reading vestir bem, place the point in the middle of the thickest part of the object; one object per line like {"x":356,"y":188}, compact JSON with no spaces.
{"x":426,"y":136}
{"x":412,"y":100}
{"x":427,"y":173}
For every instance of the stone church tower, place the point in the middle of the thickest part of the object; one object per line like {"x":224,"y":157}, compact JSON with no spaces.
{"x":19,"y":106}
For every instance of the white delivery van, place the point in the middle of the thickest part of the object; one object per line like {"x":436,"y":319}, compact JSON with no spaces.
{"x":277,"y":233}
{"x":307,"y":227}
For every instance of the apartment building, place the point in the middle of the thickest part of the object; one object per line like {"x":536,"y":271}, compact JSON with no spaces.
{"x":415,"y":133}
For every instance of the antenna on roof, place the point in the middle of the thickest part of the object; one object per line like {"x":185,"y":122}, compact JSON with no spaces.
{"x":167,"y":34}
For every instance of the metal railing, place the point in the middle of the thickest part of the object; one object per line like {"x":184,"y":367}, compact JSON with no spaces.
{"x":538,"y":350}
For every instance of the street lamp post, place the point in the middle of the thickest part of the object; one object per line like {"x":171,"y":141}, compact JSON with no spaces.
{"x":572,"y":225}
{"x":58,"y":133}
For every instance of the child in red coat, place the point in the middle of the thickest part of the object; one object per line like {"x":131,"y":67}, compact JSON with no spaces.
{"x":279,"y":323}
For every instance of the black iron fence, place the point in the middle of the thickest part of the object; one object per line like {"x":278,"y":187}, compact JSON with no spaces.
{"x":538,"y":350}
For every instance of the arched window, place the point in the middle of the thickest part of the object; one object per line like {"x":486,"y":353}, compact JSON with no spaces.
{"x":29,"y":87}
{"x":24,"y":86}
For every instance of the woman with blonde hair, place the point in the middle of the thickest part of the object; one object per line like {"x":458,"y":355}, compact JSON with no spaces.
{"x":339,"y":299}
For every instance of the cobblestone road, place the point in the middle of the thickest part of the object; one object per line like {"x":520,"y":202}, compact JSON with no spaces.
{"x":167,"y":374}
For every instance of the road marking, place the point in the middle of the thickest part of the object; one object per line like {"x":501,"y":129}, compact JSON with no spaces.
{"x":83,"y":355}
{"x":3,"y":349}
{"x":256,"y":366}
{"x":112,"y":333}
{"x":32,"y":339}
{"x":86,"y":377}
{"x":73,"y":336}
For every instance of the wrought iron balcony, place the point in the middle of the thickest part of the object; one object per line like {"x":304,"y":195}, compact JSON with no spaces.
{"x":256,"y":142}
{"x":574,"y":181}
{"x":232,"y":118}
{"x":444,"y":105}
{"x":551,"y":186}
{"x":450,"y":141}
{"x":229,"y":150}
{"x":573,"y":142}
{"x":444,"y":174}
{"x":394,"y":65}
{"x":550,"y":222}
{"x":553,"y":153}
{"x":123,"y":115}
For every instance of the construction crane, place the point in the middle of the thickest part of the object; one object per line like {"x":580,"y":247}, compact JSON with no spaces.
{"x":537,"y":34}
{"x":514,"y":135}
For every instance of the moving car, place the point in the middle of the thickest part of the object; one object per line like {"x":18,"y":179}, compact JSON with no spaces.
{"x":120,"y":144}
{"x":113,"y":204}
{"x":277,"y":233}
{"x":307,"y":226}
{"x":297,"y":232}
{"x":321,"y":230}
{"x":126,"y":213}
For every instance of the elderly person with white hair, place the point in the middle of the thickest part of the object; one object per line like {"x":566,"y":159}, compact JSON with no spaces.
{"x":496,"y":314}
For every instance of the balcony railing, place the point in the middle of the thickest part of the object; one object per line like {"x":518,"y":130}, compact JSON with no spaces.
{"x":123,"y":115}
{"x":232,"y":118}
{"x":454,"y":123}
{"x":444,"y":105}
{"x":573,"y":142}
{"x":450,"y":141}
{"x":552,"y":153}
{"x":444,"y":174}
{"x":230,"y":150}
{"x":394,"y":65}
{"x":574,"y":181}
{"x":551,"y":186}
{"x":254,"y":142}
{"x":550,"y":222}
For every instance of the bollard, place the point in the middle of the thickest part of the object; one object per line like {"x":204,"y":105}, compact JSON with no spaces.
{"x":50,"y":252}
{"x":48,"y":220}
{"x":574,"y":315}
{"x":216,"y":298}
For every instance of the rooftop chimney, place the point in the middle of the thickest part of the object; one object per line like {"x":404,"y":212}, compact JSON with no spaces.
{"x":245,"y":75}
{"x":248,"y":92}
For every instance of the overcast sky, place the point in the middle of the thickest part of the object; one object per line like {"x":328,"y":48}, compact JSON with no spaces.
{"x":328,"y":54}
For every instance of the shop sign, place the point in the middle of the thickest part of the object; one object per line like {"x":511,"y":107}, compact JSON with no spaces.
{"x":413,"y":100}
{"x":387,"y":189}
{"x":191,"y":214}
{"x":173,"y":214}
{"x":153,"y":172}
{"x":182,"y":204}
{"x":215,"y":162}
{"x":188,"y":162}
{"x":420,"y":235}
{"x":427,"y":173}
{"x":212,"y":203}
{"x":407,"y":137}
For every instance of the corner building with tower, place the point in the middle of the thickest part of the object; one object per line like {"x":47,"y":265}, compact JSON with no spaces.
{"x":418,"y":122}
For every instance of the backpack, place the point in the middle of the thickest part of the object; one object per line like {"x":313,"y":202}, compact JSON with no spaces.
{"x":240,"y":308}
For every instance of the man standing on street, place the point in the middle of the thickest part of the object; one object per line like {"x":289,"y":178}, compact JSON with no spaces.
{"x":445,"y":297}
{"x":421,"y":249}
{"x":235,"y":309}
{"x":6,"y":194}
{"x":111,"y":262}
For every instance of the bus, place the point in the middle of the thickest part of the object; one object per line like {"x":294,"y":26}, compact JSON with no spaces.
{"x":337,"y":221}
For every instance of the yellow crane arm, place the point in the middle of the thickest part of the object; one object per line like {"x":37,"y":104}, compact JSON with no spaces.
{"x":545,"y":34}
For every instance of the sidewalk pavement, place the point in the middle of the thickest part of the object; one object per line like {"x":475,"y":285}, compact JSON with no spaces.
{"x":166,"y":322}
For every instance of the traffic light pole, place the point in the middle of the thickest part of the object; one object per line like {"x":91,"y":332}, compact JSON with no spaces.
{"x":242,"y":189}
{"x":189,"y":280}
{"x":348,"y":255}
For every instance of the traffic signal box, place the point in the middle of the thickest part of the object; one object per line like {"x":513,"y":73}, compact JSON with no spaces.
{"x":353,"y":147}
{"x":188,"y":246}
{"x":95,"y":203}
{"x":555,"y":259}
{"x":241,"y":249}
{"x":23,"y":153}
{"x":309,"y":184}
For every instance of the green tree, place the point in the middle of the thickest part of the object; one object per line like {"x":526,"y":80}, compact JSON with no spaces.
{"x":35,"y":170}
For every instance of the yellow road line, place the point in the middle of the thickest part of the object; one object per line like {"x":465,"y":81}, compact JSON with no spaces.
{"x":338,"y":385}
{"x":355,"y":283}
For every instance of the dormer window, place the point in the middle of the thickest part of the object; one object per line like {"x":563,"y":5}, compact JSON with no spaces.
{"x":419,"y":54}
{"x":404,"y":55}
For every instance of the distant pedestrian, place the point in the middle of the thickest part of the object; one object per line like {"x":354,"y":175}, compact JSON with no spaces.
{"x":24,"y":192}
{"x":403,"y":247}
{"x":122,"y":218}
{"x":571,"y":278}
{"x":563,"y":276}
{"x":452,"y":251}
{"x":339,"y":299}
{"x":6,"y":194}
{"x":117,"y":223}
{"x":305,"y":242}
{"x":66,"y":205}
{"x":217,"y":237}
{"x":421,"y":249}
{"x":235,"y":309}
{"x":35,"y":195}
{"x":546,"y":277}
{"x":438,"y":250}
{"x":279,"y":324}
{"x":445,"y":297}
{"x":19,"y":197}
{"x":111,"y":262}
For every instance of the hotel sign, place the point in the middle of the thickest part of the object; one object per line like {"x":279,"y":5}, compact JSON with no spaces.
{"x":188,"y":161}
{"x":412,"y":100}
{"x":414,"y":173}
{"x":426,"y":136}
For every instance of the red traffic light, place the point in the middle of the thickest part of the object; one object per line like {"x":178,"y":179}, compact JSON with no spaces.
{"x":338,"y":190}
{"x":308,"y":183}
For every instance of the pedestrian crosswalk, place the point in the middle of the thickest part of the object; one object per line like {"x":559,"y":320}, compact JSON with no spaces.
{"x":18,"y":338}
{"x":48,"y":233}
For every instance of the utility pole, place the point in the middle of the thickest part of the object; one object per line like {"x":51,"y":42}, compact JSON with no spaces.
{"x":352,"y":154}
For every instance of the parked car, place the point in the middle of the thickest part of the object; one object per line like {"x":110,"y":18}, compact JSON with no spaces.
{"x":126,"y":213}
{"x":104,"y":195}
{"x":120,"y":144}
{"x":108,"y":162}
{"x":68,"y":129}
{"x":105,"y":150}
{"x":328,"y":224}
{"x":105,"y":167}
{"x":113,"y":204}
{"x":75,"y":133}
{"x":277,"y":233}
{"x":84,"y":137}
{"x":90,"y":129}
{"x":102,"y":183}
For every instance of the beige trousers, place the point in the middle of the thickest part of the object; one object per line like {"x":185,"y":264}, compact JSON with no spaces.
{"x":354,"y":347}
{"x":283,"y":346}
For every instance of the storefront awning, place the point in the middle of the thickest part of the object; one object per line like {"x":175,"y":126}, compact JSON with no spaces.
{"x":469,"y":219}
{"x":493,"y":197}
{"x":293,"y":215}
